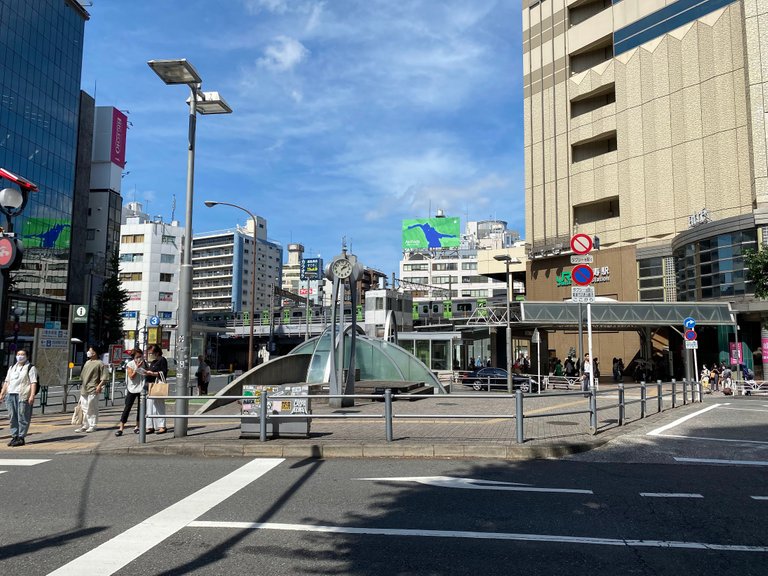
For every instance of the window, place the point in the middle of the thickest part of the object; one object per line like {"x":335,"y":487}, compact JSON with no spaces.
{"x":168,"y":239}
{"x":596,"y":211}
{"x":134,"y":295}
{"x":167,"y":258}
{"x":597,"y":146}
{"x":166,"y":297}
{"x":130,"y":276}
{"x":415,"y":267}
{"x":442,"y":266}
{"x":131,"y":257}
{"x":132,"y":239}
{"x":603,"y":96}
{"x":592,"y":55}
{"x":469,"y":265}
{"x":166,"y":277}
{"x":445,"y":279}
{"x":475,"y":280}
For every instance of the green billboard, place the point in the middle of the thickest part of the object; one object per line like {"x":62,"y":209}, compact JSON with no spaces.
{"x":422,"y":233}
{"x":46,"y":233}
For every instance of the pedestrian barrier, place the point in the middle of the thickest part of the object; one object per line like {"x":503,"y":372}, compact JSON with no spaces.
{"x":690,"y":392}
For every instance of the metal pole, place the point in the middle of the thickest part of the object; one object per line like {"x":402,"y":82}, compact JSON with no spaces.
{"x":580,"y":354}
{"x":621,"y":402}
{"x":593,"y":411}
{"x":659,"y":396}
{"x":519,"y":417}
{"x":253,"y":292}
{"x":589,"y":348}
{"x":685,"y":392}
{"x":306,"y":312}
{"x":674,"y":393}
{"x":388,"y":413}
{"x":263,"y":416}
{"x":538,"y":363}
{"x":643,"y":398}
{"x":142,"y":416}
{"x":510,"y":386}
{"x":184,"y":328}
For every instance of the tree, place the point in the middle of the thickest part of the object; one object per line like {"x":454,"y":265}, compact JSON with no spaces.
{"x":757,"y":271}
{"x":109,"y":305}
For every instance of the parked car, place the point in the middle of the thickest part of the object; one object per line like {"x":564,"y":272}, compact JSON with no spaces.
{"x":497,"y":377}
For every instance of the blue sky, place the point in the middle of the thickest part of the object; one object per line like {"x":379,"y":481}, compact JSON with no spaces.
{"x":348,"y":116}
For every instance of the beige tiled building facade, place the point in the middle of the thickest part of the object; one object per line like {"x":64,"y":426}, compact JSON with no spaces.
{"x":646,"y":126}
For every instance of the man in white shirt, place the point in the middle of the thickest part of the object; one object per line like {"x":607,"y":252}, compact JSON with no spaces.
{"x":19,"y":389}
{"x":586,"y":382}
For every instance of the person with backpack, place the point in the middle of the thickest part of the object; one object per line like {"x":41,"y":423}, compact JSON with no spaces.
{"x":19,"y":389}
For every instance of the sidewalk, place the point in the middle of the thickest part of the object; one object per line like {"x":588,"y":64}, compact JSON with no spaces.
{"x":421,"y":435}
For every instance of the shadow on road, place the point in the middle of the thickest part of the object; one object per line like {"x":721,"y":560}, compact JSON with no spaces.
{"x":52,"y":541}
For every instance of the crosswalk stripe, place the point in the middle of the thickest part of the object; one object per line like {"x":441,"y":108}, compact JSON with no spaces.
{"x":21,"y":461}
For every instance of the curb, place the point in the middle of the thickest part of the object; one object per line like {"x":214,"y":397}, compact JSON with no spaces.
{"x":446,"y":451}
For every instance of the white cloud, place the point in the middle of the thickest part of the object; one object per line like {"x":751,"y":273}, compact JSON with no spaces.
{"x":273,"y":6}
{"x":283,"y":54}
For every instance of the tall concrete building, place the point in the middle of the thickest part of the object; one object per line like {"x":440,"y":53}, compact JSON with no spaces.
{"x":222,"y":267}
{"x":150,"y":260}
{"x":645,"y":127}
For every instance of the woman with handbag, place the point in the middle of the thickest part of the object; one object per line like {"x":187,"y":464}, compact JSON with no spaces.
{"x":134,"y":382}
{"x":156,"y":375}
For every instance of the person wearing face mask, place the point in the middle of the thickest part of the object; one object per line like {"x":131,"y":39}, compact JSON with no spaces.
{"x":94,"y":377}
{"x":18,"y":391}
{"x":156,"y":408}
{"x":134,"y":380}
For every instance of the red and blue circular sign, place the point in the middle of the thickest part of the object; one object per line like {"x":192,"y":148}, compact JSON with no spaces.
{"x":690,"y":335}
{"x":581,"y":243}
{"x":582,"y":275}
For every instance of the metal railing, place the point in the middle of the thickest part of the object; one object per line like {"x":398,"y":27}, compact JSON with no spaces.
{"x":691,"y":392}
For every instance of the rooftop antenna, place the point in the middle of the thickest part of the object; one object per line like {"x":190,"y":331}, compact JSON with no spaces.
{"x":173,"y":208}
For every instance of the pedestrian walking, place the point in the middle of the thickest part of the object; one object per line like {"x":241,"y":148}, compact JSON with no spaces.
{"x":156,"y":408}
{"x":587,"y":366}
{"x":203,"y":375}
{"x":18,"y":391}
{"x":94,"y":377}
{"x":135,"y":372}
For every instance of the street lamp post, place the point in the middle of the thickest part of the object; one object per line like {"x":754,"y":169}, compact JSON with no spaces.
{"x":506,"y":259}
{"x":211,"y":204}
{"x":182,"y":72}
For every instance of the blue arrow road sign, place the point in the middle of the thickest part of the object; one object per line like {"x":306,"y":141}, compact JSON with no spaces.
{"x":154,"y":321}
{"x":689,"y":323}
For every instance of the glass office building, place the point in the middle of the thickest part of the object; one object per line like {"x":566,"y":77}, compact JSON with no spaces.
{"x":41,"y":50}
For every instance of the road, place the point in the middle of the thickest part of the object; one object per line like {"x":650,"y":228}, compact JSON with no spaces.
{"x":661,"y":500}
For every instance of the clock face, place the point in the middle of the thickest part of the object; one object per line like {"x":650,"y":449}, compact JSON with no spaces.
{"x":342,"y":268}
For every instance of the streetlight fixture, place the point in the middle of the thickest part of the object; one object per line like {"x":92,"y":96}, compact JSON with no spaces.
{"x":507,"y":260}
{"x":211,"y":204}
{"x":180,"y":71}
{"x":12,"y":204}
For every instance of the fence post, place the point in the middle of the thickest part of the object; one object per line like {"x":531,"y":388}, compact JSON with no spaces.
{"x":388,"y":413}
{"x":263,"y":416}
{"x":659,"y":396}
{"x":519,"y":417}
{"x":489,"y":383}
{"x":643,"y":398}
{"x":685,"y":391}
{"x":674,"y":393}
{"x":699,"y":392}
{"x":143,"y":416}
{"x":593,"y":411}
{"x":621,"y":404}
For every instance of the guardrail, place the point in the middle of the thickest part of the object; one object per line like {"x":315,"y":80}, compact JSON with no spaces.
{"x":690,"y":391}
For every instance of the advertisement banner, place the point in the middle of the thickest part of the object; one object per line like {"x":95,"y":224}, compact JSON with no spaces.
{"x":311,"y":268}
{"x":764,"y":346}
{"x":735,"y":352}
{"x":423,"y":233}
{"x":119,"y":132}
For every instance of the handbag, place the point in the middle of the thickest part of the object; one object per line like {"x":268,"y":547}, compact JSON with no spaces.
{"x":77,"y":415}
{"x":159,"y":387}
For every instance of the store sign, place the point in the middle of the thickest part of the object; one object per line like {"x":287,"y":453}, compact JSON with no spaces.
{"x":735,"y":352}
{"x":699,"y":218}
{"x":602,"y":274}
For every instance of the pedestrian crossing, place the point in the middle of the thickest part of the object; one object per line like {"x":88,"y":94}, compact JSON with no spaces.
{"x":10,"y":462}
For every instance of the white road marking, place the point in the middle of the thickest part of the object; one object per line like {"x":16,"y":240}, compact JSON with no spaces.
{"x":670,"y":495}
{"x":747,"y":409}
{"x":708,"y":439}
{"x":20,"y":461}
{"x":723,"y":462}
{"x":473,"y":484}
{"x":679,"y":421}
{"x":2,"y":471}
{"x":126,"y":547}
{"x":537,"y":538}
{"x":759,"y":497}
